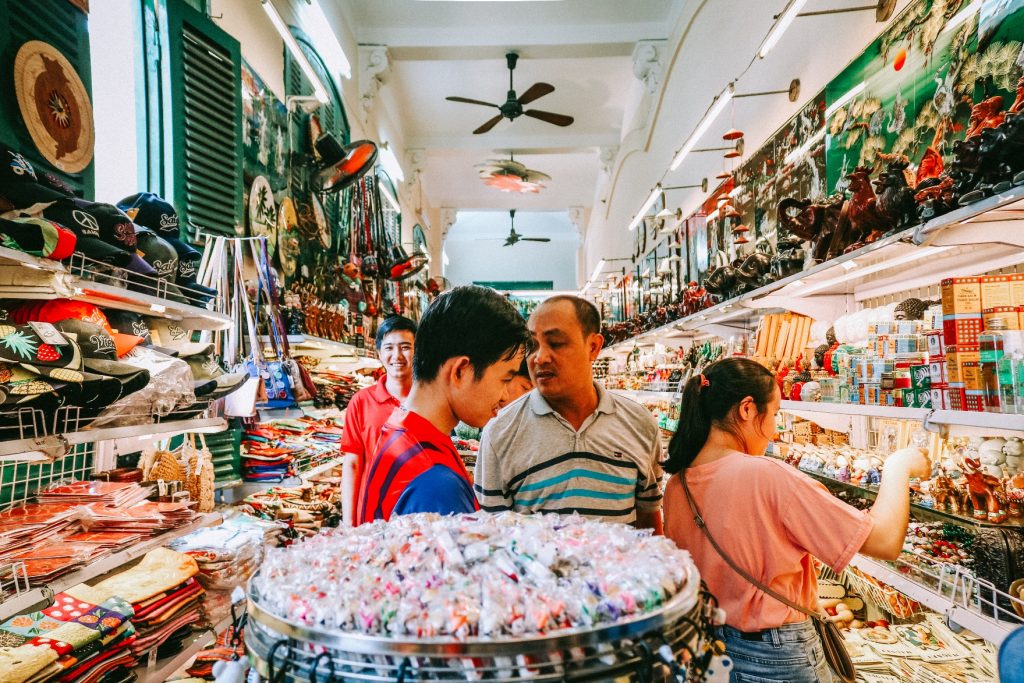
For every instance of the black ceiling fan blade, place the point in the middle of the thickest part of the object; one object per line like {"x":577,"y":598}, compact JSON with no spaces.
{"x":557,"y":119}
{"x":535,"y":92}
{"x":535,"y":239}
{"x":466,"y":100}
{"x":487,"y":126}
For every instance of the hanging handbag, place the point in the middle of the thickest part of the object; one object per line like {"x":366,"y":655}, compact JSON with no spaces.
{"x":831,"y":639}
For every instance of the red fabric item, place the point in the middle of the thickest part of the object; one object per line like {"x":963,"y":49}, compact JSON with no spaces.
{"x":409,"y":445}
{"x":365,"y":415}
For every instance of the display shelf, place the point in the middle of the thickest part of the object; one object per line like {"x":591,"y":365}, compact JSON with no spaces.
{"x":23,"y":276}
{"x":949,"y":422}
{"x":19,"y":603}
{"x":968,"y":241}
{"x":320,"y":469}
{"x":43,"y":448}
{"x":153,"y":669}
{"x":953,"y":594}
{"x":308,"y":344}
{"x":924,"y":511}
{"x":642,"y":394}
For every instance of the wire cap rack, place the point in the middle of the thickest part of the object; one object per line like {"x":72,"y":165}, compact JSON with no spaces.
{"x":655,"y":646}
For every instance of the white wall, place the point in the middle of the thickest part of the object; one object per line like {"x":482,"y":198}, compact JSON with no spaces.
{"x":475,"y":251}
{"x":118,"y":109}
{"x":246,"y":21}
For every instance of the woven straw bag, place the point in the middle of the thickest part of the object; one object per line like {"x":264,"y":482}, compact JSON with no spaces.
{"x":166,"y":467}
{"x":199,"y":475}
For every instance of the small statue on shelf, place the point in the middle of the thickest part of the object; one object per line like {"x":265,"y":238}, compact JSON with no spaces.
{"x":946,"y":496}
{"x":986,"y":492}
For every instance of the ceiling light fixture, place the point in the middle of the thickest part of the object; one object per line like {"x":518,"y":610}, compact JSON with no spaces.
{"x":717,"y":107}
{"x":655,"y":193}
{"x":389,"y":162}
{"x":390,"y":197}
{"x":319,"y":90}
{"x":782,"y":23}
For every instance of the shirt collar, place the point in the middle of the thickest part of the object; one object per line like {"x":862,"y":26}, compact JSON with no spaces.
{"x":605,"y":402}
{"x":381,"y":394}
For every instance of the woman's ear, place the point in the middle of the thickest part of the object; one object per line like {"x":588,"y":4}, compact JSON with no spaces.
{"x":747,"y":409}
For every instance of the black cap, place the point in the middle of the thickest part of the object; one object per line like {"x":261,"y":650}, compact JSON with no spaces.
{"x":151,"y":211}
{"x":104,"y":233}
{"x":21,"y":186}
{"x":162,"y":256}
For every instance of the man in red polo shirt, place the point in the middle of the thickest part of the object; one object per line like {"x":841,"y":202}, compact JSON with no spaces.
{"x":371,"y":407}
{"x":469,"y":347}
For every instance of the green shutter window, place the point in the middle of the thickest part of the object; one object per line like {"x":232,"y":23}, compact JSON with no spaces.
{"x":206,"y":115}
{"x":60,"y":24}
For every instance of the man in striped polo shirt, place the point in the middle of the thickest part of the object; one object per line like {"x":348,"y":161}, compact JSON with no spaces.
{"x":569,"y":445}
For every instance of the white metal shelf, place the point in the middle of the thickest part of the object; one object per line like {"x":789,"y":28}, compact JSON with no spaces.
{"x":953,"y":422}
{"x":36,"y":449}
{"x":17,"y":604}
{"x":951,"y":598}
{"x":307,"y":344}
{"x":29,"y":277}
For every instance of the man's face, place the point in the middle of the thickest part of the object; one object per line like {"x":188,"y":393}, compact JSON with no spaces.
{"x":516,"y":388}
{"x":396,"y":354}
{"x":477,"y":399}
{"x":561,"y":364}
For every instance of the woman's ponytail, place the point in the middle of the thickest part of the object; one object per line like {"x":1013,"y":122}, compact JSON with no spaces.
{"x":709,"y":399}
{"x":693,"y":430}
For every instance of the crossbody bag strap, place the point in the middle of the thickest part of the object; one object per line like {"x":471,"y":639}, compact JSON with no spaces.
{"x":698,"y":519}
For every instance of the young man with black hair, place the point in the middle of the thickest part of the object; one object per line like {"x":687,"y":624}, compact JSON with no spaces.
{"x":369,"y":408}
{"x":569,"y":445}
{"x":470,"y":344}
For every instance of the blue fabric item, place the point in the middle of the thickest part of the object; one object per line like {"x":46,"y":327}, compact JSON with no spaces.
{"x":1011,"y":658}
{"x":440,"y":490}
{"x":791,"y":652}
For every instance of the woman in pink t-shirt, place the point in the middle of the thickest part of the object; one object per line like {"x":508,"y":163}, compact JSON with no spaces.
{"x":769,"y":518}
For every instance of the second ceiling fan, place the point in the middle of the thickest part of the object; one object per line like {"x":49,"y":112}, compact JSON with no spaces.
{"x":513,"y":106}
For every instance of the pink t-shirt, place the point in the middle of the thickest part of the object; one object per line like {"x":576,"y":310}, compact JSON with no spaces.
{"x":770,"y":519}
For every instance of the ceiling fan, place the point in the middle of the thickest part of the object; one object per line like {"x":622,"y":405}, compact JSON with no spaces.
{"x":513,"y":107}
{"x":514,"y":237}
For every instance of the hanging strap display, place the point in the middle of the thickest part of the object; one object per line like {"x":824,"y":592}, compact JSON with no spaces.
{"x":831,"y":639}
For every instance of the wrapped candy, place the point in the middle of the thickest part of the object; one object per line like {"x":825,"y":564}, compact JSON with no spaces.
{"x":474,"y":575}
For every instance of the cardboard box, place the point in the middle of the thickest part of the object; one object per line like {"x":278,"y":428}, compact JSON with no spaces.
{"x":1017,"y":289}
{"x":955,"y":397}
{"x":995,"y":291}
{"x":920,"y":377}
{"x":936,"y":347}
{"x":937,"y":371}
{"x":975,"y":403}
{"x":1008,"y":314}
{"x":939,"y":397}
{"x":956,"y":356}
{"x":961,"y":295}
{"x":971,"y":376}
{"x":962,"y":328}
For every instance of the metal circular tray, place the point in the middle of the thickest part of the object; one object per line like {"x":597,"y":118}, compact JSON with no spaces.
{"x":670,"y":613}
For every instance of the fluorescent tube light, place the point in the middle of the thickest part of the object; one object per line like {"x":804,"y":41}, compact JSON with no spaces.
{"x":323,"y":36}
{"x":597,"y":270}
{"x":389,"y":161}
{"x":783,"y":22}
{"x":319,"y":91}
{"x":842,"y":101}
{"x":716,"y":108}
{"x":655,"y":193}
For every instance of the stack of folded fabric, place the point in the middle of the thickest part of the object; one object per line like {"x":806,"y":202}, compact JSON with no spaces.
{"x":229,"y":553}
{"x":104,"y":493}
{"x":306,"y":441}
{"x":306,"y":509}
{"x":265,"y":457}
{"x":27,"y":527}
{"x":82,"y":637}
{"x":145,"y":519}
{"x":164,"y":595}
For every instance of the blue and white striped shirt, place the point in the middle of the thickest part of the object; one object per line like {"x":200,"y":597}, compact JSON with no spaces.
{"x":532,"y":460}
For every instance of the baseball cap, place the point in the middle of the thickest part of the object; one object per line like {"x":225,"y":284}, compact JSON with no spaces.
{"x":61,"y":309}
{"x":134,"y":324}
{"x":205,"y":367}
{"x":151,"y":211}
{"x":164,"y":259}
{"x":38,"y":237}
{"x":42,"y":350}
{"x":188,"y":265}
{"x":100,"y":355}
{"x":21,"y":187}
{"x":172,"y":335}
{"x":104,"y":233}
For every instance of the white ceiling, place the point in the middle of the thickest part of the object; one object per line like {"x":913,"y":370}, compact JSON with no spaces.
{"x":584,"y":48}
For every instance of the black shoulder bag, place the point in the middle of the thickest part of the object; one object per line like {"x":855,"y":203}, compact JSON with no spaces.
{"x":831,"y":639}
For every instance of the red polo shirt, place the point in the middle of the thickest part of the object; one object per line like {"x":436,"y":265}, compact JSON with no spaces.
{"x":366,"y":413}
{"x":415,"y":469}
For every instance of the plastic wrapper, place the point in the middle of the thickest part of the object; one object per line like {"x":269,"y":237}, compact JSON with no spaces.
{"x":227,"y":554}
{"x":169,"y":388}
{"x":473,"y":575}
